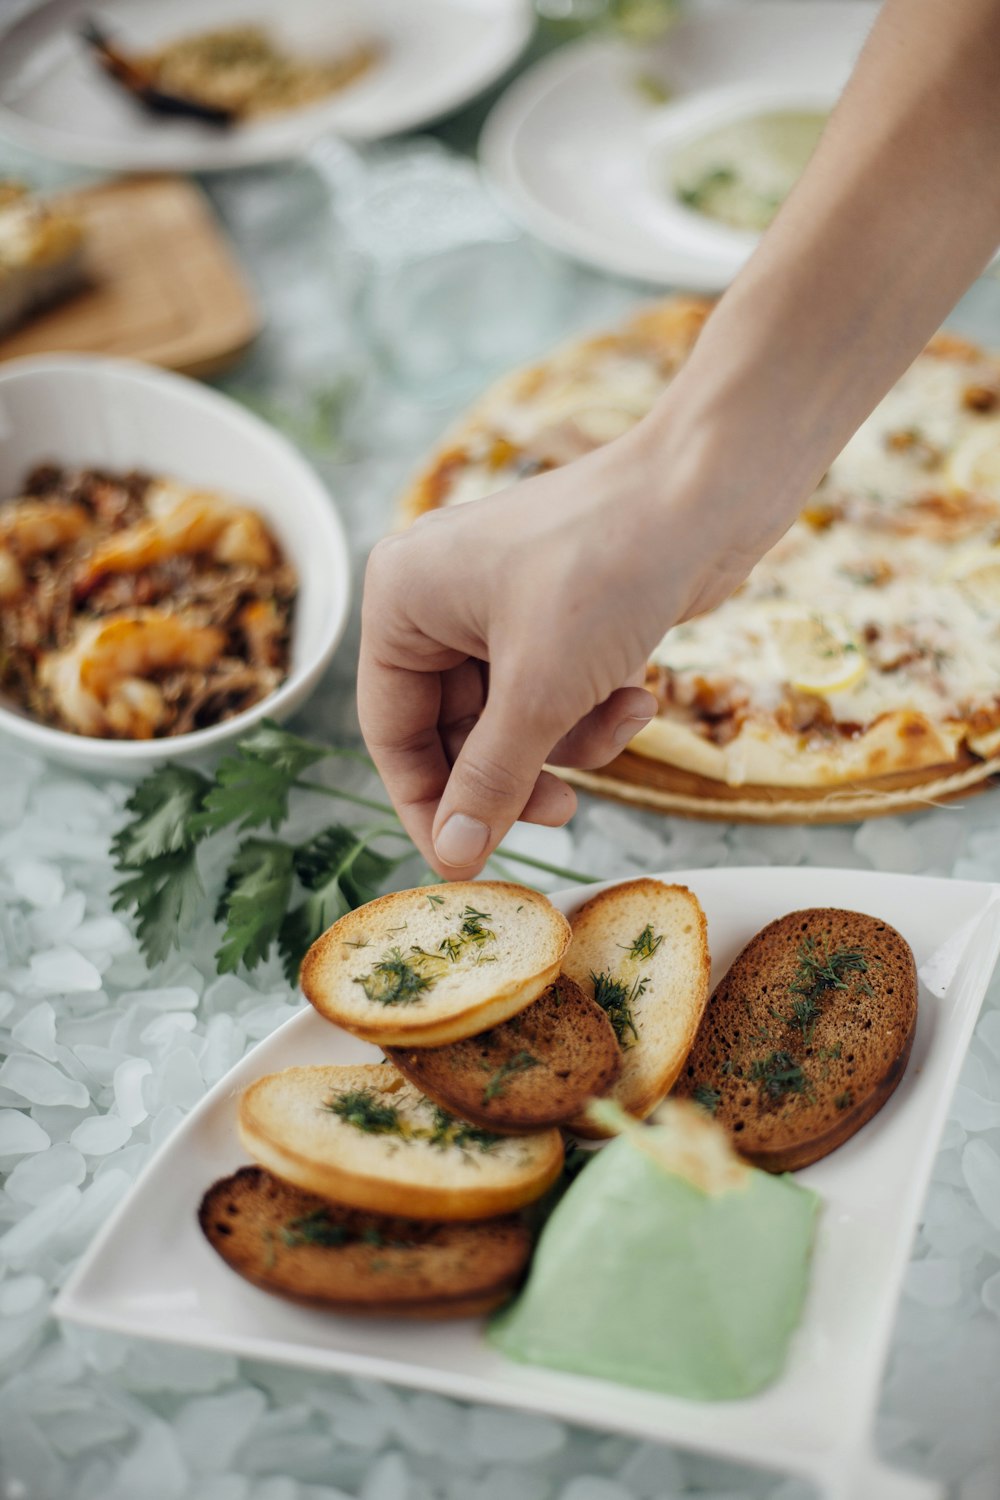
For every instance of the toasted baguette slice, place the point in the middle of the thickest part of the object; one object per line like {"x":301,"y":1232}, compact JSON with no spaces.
{"x":365,"y":1137}
{"x":806,"y":1036}
{"x":424,"y":967}
{"x":537,"y":1069}
{"x":646,"y":946}
{"x":298,"y":1245}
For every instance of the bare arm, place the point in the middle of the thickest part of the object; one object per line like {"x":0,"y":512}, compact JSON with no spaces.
{"x":503,"y":634}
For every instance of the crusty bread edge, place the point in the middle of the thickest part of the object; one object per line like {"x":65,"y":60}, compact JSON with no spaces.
{"x":804,"y":1153}
{"x":643,"y":1105}
{"x":406,"y":1200}
{"x":393,"y":1030}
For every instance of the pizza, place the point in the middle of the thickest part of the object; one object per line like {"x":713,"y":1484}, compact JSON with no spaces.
{"x":866,"y":642}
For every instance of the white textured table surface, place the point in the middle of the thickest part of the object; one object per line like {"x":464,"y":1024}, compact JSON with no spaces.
{"x":102,"y":1057}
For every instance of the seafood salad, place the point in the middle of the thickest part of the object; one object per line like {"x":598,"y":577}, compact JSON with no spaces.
{"x":133,"y":606}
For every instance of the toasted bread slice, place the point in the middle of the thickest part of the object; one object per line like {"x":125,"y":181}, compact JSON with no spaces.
{"x":298,"y":1245}
{"x":641,"y":950}
{"x":429,"y":966}
{"x":365,"y":1137}
{"x":806,"y":1036}
{"x":537,"y":1069}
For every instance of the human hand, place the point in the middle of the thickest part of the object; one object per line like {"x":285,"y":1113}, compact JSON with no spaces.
{"x":512,"y":631}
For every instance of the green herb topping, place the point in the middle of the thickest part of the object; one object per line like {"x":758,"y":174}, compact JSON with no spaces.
{"x":471,"y":934}
{"x":317,"y":1229}
{"x":447,"y":1131}
{"x":496,"y":1085}
{"x":646,"y":944}
{"x":396,"y":980}
{"x":820,"y":971}
{"x":707,"y":1097}
{"x":778,"y":1074}
{"x":617,"y":999}
{"x":362,"y":1109}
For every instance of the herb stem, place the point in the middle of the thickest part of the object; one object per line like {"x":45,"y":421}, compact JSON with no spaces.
{"x":383,"y":807}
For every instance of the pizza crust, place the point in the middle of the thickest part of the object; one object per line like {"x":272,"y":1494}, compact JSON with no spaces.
{"x":764,"y":755}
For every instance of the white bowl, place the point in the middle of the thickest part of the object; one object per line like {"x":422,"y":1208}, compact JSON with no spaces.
{"x":87,"y":411}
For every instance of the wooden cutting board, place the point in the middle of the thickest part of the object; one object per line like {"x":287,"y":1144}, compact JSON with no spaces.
{"x":162,"y":283}
{"x":641,"y":782}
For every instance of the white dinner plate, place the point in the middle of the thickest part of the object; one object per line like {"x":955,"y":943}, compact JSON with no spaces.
{"x":579,"y":153}
{"x":438,"y":54}
{"x":149,"y":1271}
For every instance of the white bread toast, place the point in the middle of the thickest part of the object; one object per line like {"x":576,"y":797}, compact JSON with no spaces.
{"x":365,"y":1137}
{"x":424,"y":967}
{"x":641,"y":950}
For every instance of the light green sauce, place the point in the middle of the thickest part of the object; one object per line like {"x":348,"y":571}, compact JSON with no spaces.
{"x":643,"y":1278}
{"x":741,"y":173}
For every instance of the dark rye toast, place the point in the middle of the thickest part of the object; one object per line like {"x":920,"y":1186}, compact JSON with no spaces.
{"x":299,"y":1246}
{"x":806,"y":1037}
{"x":535,"y":1070}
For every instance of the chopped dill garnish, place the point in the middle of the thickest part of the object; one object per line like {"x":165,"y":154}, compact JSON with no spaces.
{"x":707,"y":1097}
{"x":778,"y":1074}
{"x":496,"y":1085}
{"x":820,"y":971}
{"x":435,"y":900}
{"x":448,"y":1131}
{"x":471,"y":932}
{"x":361,"y":1108}
{"x":395,"y":980}
{"x":616,"y":999}
{"x":844,"y":1100}
{"x":361,"y":943}
{"x":317,"y":1229}
{"x":645,"y":945}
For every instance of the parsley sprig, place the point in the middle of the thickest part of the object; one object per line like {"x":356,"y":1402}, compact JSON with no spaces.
{"x":274,"y":892}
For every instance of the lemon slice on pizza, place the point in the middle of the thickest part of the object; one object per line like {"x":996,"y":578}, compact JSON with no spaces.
{"x":819,"y":652}
{"x":976,"y":571}
{"x":975,"y":463}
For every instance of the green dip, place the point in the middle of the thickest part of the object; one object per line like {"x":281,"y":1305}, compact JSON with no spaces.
{"x":668,"y":1264}
{"x":741,"y":173}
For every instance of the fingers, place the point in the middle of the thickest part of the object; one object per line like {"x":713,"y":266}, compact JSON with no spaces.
{"x":606,"y":730}
{"x":493,"y":781}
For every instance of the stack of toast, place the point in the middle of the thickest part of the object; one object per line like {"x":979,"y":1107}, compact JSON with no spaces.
{"x":399,"y":1187}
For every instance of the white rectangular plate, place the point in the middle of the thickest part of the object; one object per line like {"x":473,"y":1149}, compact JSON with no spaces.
{"x":149,"y":1271}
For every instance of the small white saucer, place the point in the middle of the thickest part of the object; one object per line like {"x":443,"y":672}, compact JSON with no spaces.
{"x":578,"y":150}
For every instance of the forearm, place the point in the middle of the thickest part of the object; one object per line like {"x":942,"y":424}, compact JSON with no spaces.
{"x":896,"y":214}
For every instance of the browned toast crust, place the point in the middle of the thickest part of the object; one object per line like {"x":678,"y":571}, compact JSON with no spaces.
{"x":535,"y":1070}
{"x":806,"y":1037}
{"x":271,"y":1234}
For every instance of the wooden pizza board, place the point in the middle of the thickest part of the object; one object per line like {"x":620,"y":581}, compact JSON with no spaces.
{"x":651,"y":784}
{"x":162,"y":283}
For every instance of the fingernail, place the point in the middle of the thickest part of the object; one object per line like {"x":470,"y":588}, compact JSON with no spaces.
{"x":628,"y":729}
{"x":461,"y":841}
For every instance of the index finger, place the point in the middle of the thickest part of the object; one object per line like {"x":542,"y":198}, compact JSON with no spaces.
{"x":399,"y":711}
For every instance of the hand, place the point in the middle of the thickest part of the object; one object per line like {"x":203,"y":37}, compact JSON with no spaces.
{"x":509,"y":632}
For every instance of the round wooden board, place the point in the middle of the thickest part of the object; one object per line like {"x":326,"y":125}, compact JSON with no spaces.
{"x":652,"y":784}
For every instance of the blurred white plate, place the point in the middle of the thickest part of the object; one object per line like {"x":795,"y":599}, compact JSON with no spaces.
{"x":575,"y":147}
{"x":150,"y":1272}
{"x":87,"y":411}
{"x":55,"y":99}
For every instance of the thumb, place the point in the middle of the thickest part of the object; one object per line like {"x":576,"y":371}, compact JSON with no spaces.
{"x":491,"y":783}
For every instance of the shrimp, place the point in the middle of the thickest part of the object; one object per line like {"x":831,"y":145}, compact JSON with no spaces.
{"x":29,"y":528}
{"x":181,"y":522}
{"x":101,"y":685}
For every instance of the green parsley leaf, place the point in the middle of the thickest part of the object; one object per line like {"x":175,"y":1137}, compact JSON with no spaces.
{"x":165,"y":894}
{"x":253,"y":902}
{"x":252,"y":786}
{"x":163,"y":809}
{"x":339,"y":872}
